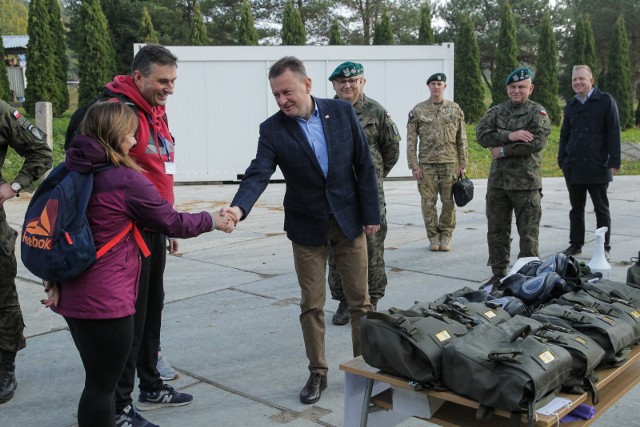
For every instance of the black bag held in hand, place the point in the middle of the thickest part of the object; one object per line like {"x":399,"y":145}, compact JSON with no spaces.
{"x":462,"y":191}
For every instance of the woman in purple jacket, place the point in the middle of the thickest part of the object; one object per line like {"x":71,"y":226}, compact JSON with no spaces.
{"x":99,"y":304}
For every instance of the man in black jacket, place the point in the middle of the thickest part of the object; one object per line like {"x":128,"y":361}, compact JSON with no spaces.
{"x":589,"y":154}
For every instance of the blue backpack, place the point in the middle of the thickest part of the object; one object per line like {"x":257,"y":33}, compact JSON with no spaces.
{"x":57,"y":244}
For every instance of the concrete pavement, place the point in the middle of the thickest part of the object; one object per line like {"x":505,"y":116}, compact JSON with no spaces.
{"x":231,"y":315}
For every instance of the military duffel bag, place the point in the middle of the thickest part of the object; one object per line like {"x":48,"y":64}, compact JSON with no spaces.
{"x":607,"y":305}
{"x":613,"y":335}
{"x":503,"y":370}
{"x":470,"y":314}
{"x":408,"y":346}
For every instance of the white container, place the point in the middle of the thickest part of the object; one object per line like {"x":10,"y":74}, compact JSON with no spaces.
{"x":598,"y":262}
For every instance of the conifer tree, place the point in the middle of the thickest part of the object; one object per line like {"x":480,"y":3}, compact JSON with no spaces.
{"x":96,"y":57}
{"x":546,"y":79}
{"x":199,"y":35}
{"x":470,"y":88}
{"x":247,"y":33}
{"x":582,"y":52}
{"x":41,"y":72}
{"x":507,"y":61}
{"x":383,"y":32}
{"x":61,"y":103}
{"x":425,"y":32}
{"x":335,"y":38}
{"x":293,"y":32}
{"x":5,"y":90}
{"x":618,"y":80}
{"x":147,"y":33}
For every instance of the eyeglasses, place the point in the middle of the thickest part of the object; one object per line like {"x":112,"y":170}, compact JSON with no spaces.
{"x":345,"y":82}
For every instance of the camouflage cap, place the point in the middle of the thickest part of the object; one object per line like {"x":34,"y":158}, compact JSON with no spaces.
{"x":347,"y":69}
{"x":440,"y":77}
{"x":518,"y":74}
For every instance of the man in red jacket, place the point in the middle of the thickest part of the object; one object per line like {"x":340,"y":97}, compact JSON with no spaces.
{"x":146,"y":90}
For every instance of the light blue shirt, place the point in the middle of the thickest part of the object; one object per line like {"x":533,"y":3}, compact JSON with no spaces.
{"x":312,"y":129}
{"x":582,"y":101}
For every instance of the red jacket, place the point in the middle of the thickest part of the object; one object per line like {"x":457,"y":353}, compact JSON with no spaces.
{"x":150,"y":152}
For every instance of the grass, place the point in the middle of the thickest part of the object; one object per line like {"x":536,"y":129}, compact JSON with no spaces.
{"x":478,"y":164}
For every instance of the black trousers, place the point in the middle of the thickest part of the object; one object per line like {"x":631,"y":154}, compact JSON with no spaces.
{"x":143,"y":355}
{"x":103,"y":345}
{"x":578,"y":200}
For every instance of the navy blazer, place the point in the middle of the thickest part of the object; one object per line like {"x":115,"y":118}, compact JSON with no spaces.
{"x":349,"y":192}
{"x":590,"y":139}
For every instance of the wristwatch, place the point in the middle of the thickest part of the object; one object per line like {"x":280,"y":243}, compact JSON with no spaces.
{"x":501,"y":151}
{"x":15,"y":186}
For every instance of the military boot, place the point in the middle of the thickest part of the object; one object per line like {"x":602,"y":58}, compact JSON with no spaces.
{"x":8,"y":381}
{"x":342,"y":316}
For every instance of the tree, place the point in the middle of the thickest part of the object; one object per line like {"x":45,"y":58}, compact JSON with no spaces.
{"x":335,"y":38}
{"x":61,"y":102}
{"x":293,"y":32}
{"x":546,"y":76}
{"x":14,"y":17}
{"x":147,"y":33}
{"x":618,"y":79}
{"x":470,"y":92}
{"x":383,"y":34}
{"x":247,"y":34}
{"x":425,"y":33}
{"x":199,"y":35}
{"x":96,"y":54}
{"x":638,"y":109}
{"x":582,"y":51}
{"x":41,"y":72}
{"x":5,"y":90}
{"x":507,"y":61}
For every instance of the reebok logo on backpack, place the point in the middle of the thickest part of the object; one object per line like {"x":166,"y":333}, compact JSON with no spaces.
{"x":56,"y":243}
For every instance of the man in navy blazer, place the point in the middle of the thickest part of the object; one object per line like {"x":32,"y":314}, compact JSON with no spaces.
{"x":331,"y":196}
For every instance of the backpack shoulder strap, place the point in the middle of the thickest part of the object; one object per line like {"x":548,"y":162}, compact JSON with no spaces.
{"x":136,"y":234}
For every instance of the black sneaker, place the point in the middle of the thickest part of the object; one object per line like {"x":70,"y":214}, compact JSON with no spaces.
{"x":573,"y":250}
{"x":342,"y":316}
{"x":130,"y":418}
{"x":167,"y":396}
{"x":8,"y":385}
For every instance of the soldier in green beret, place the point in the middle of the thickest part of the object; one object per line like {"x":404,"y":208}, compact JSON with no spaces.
{"x":438,"y":160}
{"x":29,"y":142}
{"x":384,"y":143}
{"x":516,"y":131}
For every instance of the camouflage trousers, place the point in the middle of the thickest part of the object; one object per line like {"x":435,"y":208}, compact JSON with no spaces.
{"x":437,"y":179}
{"x":500,"y":205}
{"x":375,"y":266}
{"x":11,"y":323}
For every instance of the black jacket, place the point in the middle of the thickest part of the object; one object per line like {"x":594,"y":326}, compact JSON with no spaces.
{"x":590,"y":139}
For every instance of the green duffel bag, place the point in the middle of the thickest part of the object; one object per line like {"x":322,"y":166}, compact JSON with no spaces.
{"x":408,"y":345}
{"x":613,"y":335}
{"x":503,"y":370}
{"x":599,"y":300}
{"x":470,"y":313}
{"x":615,"y":289}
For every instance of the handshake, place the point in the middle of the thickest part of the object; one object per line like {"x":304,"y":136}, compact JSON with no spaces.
{"x":227,"y":218}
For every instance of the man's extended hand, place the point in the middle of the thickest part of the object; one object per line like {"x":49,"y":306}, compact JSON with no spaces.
{"x":521,"y":135}
{"x":370,"y":230}
{"x":225,"y":220}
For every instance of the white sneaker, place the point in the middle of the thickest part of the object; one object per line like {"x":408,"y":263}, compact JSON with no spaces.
{"x":167,"y":373}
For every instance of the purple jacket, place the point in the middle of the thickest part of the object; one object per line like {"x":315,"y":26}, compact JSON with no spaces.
{"x":109,"y":288}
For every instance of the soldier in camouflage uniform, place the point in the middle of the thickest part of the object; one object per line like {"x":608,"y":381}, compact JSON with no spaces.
{"x":29,"y":142}
{"x":383,"y":138}
{"x":439,"y":159}
{"x":516,"y":131}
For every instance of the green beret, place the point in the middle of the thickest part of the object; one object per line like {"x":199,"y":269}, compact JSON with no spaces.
{"x":519,"y":74}
{"x":347,"y":69}
{"x":437,"y":77}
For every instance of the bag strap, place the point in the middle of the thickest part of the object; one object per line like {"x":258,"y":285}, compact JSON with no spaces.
{"x":136,"y":235}
{"x":397,"y":321}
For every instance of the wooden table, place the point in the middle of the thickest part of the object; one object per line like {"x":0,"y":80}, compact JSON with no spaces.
{"x":377,"y":399}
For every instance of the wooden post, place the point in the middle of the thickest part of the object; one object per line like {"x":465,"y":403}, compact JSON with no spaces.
{"x":44,"y":120}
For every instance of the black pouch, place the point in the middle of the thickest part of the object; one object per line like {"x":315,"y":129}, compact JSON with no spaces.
{"x":462,"y":191}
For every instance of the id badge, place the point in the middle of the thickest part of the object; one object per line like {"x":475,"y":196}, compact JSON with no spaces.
{"x":170,"y":168}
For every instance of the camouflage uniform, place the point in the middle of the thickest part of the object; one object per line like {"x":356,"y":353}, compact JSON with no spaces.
{"x":441,"y":153}
{"x":515,"y":180}
{"x":384,"y":138}
{"x":29,"y":142}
